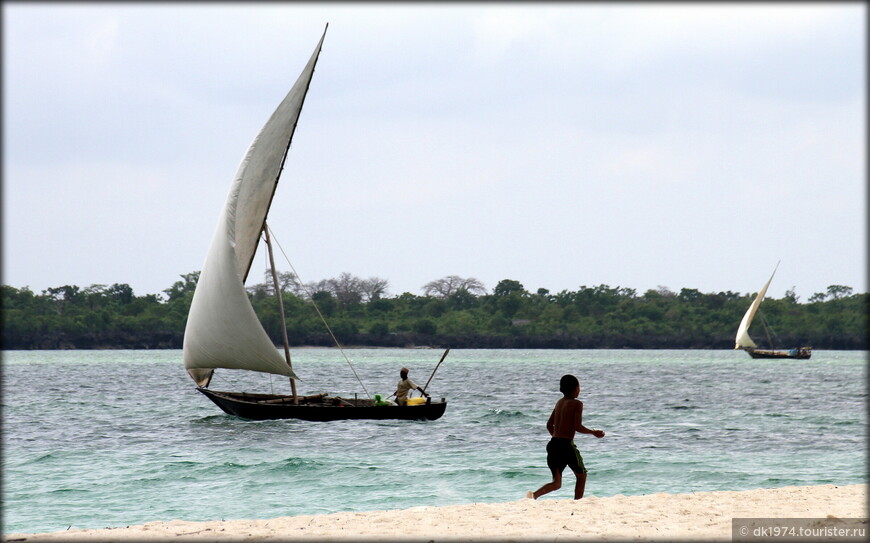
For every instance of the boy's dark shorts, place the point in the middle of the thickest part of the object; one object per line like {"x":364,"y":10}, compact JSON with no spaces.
{"x":562,"y":452}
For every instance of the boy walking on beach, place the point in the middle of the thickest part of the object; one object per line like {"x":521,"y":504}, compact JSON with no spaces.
{"x":566,"y":419}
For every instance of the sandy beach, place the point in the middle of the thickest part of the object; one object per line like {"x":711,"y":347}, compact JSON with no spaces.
{"x":695,"y":516}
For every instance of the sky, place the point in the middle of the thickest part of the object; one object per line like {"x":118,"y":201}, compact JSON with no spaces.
{"x":560,"y":145}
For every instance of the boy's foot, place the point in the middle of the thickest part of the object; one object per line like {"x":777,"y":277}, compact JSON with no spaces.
{"x":530,"y":495}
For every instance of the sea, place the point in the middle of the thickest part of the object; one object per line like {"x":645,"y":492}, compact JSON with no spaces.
{"x":104,"y":439}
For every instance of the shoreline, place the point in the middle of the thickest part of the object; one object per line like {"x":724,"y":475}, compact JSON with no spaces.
{"x":650,"y":517}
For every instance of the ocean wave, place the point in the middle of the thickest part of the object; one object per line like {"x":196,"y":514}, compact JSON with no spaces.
{"x":294,"y":464}
{"x":70,"y":491}
{"x":500,"y":414}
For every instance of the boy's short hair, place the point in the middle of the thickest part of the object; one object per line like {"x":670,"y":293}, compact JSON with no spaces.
{"x":568,"y":383}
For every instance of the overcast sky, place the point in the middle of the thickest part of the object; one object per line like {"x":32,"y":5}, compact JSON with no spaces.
{"x":559,"y":145}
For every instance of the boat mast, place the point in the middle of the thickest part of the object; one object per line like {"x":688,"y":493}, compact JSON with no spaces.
{"x":281,"y":308}
{"x":767,"y":331}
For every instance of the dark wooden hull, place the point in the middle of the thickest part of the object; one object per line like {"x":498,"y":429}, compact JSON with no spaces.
{"x":318,"y":409}
{"x":803,"y":353}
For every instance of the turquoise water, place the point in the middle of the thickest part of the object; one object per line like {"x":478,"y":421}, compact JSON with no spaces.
{"x":95,"y":439}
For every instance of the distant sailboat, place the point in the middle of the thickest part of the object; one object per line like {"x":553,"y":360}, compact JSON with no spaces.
{"x":743,"y":341}
{"x":223,"y":330}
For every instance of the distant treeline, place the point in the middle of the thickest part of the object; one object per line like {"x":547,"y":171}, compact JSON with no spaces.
{"x":452,"y":312}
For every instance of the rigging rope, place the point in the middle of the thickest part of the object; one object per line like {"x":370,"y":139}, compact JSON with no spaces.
{"x":769,"y":330}
{"x":310,"y":297}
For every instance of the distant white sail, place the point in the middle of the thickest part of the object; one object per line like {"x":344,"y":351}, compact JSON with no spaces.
{"x":222,"y":329}
{"x":743,"y":340}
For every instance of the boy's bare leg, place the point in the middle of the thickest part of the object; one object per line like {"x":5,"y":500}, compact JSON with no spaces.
{"x":580,"y":485}
{"x":556,"y":484}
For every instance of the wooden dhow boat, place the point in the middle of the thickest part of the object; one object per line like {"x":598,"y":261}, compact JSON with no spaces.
{"x":223,"y":331}
{"x":744,"y":342}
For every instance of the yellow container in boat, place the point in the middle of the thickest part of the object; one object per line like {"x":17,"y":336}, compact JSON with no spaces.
{"x":416,"y":401}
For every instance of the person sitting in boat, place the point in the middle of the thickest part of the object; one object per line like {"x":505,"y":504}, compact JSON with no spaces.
{"x":406,"y":385}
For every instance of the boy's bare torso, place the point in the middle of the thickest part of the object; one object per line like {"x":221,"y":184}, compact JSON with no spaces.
{"x":566,"y":419}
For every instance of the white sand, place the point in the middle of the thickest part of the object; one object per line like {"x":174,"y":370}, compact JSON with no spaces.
{"x":697,"y":516}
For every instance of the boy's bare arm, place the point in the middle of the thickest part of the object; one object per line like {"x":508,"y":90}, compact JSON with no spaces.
{"x":551,"y":422}
{"x":582,"y":429}
{"x":578,"y":417}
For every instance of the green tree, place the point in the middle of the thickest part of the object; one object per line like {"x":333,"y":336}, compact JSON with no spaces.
{"x":325,"y":301}
{"x":425,"y":326}
{"x":183,"y":289}
{"x":506,"y":287}
{"x":836,"y":292}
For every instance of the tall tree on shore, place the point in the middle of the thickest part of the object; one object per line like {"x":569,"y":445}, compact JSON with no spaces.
{"x":447,"y":286}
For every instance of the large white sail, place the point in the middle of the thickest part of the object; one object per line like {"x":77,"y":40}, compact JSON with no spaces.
{"x":743,"y":340}
{"x":222,"y":329}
